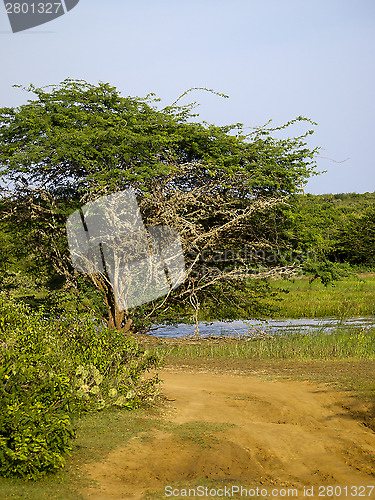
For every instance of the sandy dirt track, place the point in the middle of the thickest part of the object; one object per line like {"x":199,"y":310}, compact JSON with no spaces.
{"x":287,"y":434}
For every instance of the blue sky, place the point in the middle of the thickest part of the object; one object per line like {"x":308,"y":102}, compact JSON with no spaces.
{"x":274,"y":58}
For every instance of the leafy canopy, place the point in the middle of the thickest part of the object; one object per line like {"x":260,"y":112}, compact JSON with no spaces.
{"x":75,"y":142}
{"x":79,"y":136}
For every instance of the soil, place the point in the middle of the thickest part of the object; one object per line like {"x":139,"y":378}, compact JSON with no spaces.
{"x":256,"y":432}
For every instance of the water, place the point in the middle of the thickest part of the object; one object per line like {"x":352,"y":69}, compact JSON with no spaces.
{"x":254,"y":327}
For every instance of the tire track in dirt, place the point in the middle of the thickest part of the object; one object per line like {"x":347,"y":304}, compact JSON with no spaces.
{"x":286,"y":434}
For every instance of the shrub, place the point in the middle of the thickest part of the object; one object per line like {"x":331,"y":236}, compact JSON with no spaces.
{"x":52,"y":368}
{"x":325,"y":271}
{"x":35,"y":425}
{"x":105,"y":366}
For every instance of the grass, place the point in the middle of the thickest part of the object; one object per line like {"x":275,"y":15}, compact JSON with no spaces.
{"x":351,"y":297}
{"x":345,"y":343}
{"x":200,"y":433}
{"x":98,"y":434}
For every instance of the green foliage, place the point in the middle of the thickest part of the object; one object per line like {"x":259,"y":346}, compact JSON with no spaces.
{"x":75,"y":141}
{"x":35,"y":425}
{"x":356,"y":240}
{"x":78,"y":135}
{"x":327,"y":272}
{"x":105,"y":366}
{"x":51,"y":369}
{"x":239,"y":299}
{"x":337,"y":227}
{"x":228,"y":300}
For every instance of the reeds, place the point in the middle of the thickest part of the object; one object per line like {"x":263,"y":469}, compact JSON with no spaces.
{"x":351,"y":297}
{"x":345,"y":343}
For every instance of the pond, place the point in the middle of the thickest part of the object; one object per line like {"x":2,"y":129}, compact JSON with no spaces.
{"x":256,"y":327}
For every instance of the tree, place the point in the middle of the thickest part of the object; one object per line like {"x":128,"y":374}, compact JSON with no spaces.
{"x":356,"y":240}
{"x":77,"y":142}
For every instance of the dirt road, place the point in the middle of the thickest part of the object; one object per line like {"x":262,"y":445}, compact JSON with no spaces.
{"x":244,"y":430}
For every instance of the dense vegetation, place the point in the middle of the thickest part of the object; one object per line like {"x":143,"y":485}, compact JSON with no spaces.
{"x":333,"y":233}
{"x":54,"y":369}
{"x":326,"y":231}
{"x":215,"y":186}
{"x":234,"y":199}
{"x":336,"y":227}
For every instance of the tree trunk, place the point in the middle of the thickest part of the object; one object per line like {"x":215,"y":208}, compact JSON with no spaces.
{"x":117,"y":319}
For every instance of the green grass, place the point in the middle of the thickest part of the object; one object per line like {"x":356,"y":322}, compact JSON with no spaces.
{"x":345,"y":343}
{"x":351,"y":297}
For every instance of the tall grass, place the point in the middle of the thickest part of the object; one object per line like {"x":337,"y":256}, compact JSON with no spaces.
{"x":353,"y":343}
{"x":351,"y":297}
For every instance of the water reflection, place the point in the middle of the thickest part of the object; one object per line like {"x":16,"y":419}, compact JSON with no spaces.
{"x":254,"y":327}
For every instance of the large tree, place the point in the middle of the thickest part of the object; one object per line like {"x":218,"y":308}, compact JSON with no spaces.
{"x":76,"y":142}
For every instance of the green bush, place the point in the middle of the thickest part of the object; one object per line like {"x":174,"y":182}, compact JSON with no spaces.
{"x":105,"y":366}
{"x":51,"y":369}
{"x":35,"y":425}
{"x":325,"y":271}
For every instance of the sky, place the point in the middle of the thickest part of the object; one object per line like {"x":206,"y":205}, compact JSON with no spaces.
{"x":275,"y":59}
